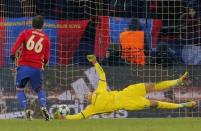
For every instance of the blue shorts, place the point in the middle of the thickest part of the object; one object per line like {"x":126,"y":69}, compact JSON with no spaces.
{"x":29,"y":74}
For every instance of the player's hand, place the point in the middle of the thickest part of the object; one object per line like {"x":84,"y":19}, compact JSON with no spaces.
{"x":44,"y":65}
{"x":12,"y":57}
{"x":91,"y":58}
{"x":57,"y":115}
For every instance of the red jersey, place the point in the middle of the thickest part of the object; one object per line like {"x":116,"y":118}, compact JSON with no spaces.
{"x":35,"y":47}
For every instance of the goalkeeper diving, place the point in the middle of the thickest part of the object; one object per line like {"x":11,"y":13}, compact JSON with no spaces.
{"x":131,"y":98}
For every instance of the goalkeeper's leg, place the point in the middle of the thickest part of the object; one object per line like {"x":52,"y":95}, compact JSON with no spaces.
{"x":167,"y":84}
{"x":168,"y":105}
{"x":99,"y":69}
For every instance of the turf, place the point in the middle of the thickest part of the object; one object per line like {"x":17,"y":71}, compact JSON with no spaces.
{"x":163,"y":124}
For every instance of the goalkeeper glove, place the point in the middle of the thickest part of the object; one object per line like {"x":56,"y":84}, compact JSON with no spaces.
{"x":91,"y":58}
{"x":57,"y":115}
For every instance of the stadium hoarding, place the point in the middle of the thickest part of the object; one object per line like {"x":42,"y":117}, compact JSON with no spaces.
{"x":69,"y":37}
{"x":76,"y":106}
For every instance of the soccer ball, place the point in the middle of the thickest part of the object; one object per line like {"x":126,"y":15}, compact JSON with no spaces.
{"x":63,"y":109}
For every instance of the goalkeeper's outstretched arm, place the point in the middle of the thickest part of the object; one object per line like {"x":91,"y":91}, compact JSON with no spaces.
{"x":99,"y":69}
{"x":77,"y":116}
{"x":102,"y":84}
{"x":89,"y":111}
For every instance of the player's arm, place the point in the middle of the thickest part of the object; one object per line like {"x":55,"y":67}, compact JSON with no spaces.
{"x":17,"y":45}
{"x":89,"y":111}
{"x":47,"y":52}
{"x":102,"y":84}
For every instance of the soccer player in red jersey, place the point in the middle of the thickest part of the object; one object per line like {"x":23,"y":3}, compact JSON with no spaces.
{"x":35,"y":53}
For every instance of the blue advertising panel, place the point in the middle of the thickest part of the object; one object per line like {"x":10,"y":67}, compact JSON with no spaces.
{"x":117,"y":25}
{"x":51,"y":30}
{"x":14,"y":26}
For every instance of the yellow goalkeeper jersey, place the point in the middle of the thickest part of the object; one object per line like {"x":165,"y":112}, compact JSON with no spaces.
{"x":131,"y":98}
{"x":103,"y":101}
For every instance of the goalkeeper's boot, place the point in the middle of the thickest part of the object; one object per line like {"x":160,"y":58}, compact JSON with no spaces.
{"x":28,"y":114}
{"x":45,"y":113}
{"x":190,"y":104}
{"x":183,"y":80}
{"x":91,"y":58}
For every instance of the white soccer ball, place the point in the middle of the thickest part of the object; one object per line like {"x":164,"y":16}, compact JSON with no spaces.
{"x":64,"y":109}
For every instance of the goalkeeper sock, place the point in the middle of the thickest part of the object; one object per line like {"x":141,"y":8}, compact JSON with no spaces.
{"x":167,"y":105}
{"x":42,"y":98}
{"x":165,"y":84}
{"x":22,"y":99}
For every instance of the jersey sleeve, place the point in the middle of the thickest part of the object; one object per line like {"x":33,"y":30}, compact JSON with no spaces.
{"x":77,"y":116}
{"x":47,"y":52}
{"x":102,"y":84}
{"x":17,"y":44}
{"x":89,"y":111}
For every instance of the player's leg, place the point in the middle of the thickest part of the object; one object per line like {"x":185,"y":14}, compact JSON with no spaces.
{"x":21,"y":97}
{"x":36,"y":84}
{"x":168,"y":105}
{"x":166,"y":84}
{"x":99,"y":69}
{"x":141,"y":89}
{"x":140,"y":103}
{"x":135,"y":90}
{"x":23,"y":102}
{"x":22,"y":77}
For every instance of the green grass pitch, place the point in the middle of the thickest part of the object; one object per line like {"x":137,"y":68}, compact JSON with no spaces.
{"x":137,"y":124}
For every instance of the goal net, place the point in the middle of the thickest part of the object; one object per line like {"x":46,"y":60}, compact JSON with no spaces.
{"x":134,"y":40}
